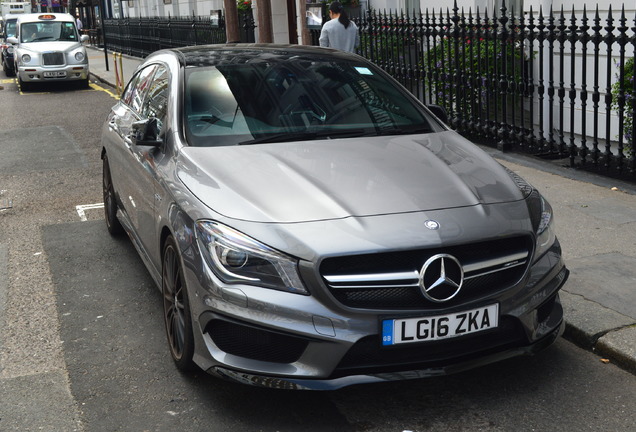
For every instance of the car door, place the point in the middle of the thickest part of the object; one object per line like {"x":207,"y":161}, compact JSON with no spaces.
{"x":121,"y":154}
{"x":145,"y":182}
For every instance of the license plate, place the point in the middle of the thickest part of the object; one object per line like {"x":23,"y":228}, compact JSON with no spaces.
{"x":57,"y":74}
{"x":409,"y":330}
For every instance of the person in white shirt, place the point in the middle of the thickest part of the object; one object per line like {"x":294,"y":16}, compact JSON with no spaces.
{"x":339,"y":32}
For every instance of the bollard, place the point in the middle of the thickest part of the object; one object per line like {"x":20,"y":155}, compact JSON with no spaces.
{"x":119,"y":73}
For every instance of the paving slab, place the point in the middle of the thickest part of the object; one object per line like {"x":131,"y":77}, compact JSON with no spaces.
{"x":40,"y":402}
{"x":612,"y":210}
{"x":619,"y":345}
{"x":587,"y":321}
{"x":607,"y":279}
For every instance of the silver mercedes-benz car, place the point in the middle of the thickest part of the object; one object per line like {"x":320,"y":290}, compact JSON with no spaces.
{"x":47,"y":48}
{"x":312,"y":225}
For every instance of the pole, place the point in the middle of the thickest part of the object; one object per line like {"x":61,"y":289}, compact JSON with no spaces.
{"x":102,"y":7}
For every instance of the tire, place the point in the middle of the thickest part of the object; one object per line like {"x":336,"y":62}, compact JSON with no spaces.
{"x":84,"y":84}
{"x":110,"y":201}
{"x":24,"y":86}
{"x":176,"y":309}
{"x":8,"y":71}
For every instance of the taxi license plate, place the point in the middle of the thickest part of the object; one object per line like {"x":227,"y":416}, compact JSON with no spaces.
{"x":401,"y":331}
{"x":57,"y":74}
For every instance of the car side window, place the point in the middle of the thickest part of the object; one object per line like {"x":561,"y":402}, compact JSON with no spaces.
{"x":127,"y":96}
{"x":156,"y":102}
{"x":138,"y":87}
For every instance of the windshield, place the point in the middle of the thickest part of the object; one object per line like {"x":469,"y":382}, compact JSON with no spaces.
{"x":294,"y":100}
{"x":48,"y":31}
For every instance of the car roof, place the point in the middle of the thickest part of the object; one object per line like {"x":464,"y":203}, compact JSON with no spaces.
{"x":38,"y":17}
{"x":213,"y":55}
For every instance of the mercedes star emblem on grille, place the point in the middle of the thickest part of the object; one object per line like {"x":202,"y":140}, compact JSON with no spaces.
{"x":441,"y":278}
{"x":431,"y":224}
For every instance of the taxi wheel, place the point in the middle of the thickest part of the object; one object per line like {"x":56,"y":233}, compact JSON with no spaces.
{"x":84,"y":84}
{"x":176,"y":308}
{"x":24,"y":86}
{"x":110,"y":201}
{"x":8,"y":71}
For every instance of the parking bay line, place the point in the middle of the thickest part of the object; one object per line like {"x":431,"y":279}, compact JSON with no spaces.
{"x":100,"y":88}
{"x":81,"y":209}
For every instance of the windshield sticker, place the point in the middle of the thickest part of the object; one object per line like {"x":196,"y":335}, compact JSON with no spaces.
{"x":363,"y":70}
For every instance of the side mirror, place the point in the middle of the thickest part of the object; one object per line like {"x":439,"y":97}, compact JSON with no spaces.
{"x":12,"y":40}
{"x":147,"y":132}
{"x":84,"y":38}
{"x":439,"y":111}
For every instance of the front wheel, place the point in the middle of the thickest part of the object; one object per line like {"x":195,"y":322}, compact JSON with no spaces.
{"x":8,"y":70}
{"x":176,"y":308}
{"x":84,"y":84}
{"x":110,"y":202}
{"x":24,"y":86}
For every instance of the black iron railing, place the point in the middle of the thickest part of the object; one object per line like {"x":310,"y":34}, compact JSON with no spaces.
{"x":560,"y":85}
{"x":141,"y":36}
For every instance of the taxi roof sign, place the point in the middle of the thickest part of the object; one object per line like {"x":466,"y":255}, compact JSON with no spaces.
{"x":46,"y":17}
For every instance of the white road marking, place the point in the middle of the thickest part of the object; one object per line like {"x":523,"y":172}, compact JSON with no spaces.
{"x":81,"y":209}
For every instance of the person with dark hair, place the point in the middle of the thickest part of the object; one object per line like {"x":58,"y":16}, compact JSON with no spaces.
{"x":339,"y":32}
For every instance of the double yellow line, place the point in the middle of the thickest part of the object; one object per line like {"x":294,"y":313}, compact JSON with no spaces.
{"x":91,"y":85}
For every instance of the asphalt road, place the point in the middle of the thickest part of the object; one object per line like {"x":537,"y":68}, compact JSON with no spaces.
{"x":82,"y":345}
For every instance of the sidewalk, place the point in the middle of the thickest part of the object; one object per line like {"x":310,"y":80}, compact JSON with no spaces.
{"x":595,"y":223}
{"x":97,"y":62}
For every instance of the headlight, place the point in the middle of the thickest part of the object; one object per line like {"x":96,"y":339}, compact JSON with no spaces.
{"x":525,"y":187}
{"x":540,"y":214}
{"x":237,"y":258}
{"x":79,"y":56}
{"x":26,"y":58}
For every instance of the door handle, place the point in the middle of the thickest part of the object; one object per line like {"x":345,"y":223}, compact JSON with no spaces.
{"x":112,"y":125}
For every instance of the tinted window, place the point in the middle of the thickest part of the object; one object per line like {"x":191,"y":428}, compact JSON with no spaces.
{"x":127,"y":96}
{"x":137,"y":88}
{"x":294,"y":99}
{"x":156,"y":103}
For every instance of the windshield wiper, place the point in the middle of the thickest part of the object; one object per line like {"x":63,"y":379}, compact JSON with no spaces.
{"x":42,"y":38}
{"x":308,"y":136}
{"x":405,"y":131}
{"x":281,"y":137}
{"x":348,"y":133}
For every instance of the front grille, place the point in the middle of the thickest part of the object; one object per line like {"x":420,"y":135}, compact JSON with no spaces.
{"x":391,"y":280}
{"x":369,"y":356}
{"x":53,"y":59}
{"x":255,"y":343}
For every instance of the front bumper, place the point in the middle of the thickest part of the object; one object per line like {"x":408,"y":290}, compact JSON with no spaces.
{"x":336,"y":383}
{"x":276,"y":339}
{"x":53,"y":73}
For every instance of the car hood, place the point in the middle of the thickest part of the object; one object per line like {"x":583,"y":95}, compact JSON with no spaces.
{"x":333,"y":179}
{"x":64,"y":46}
